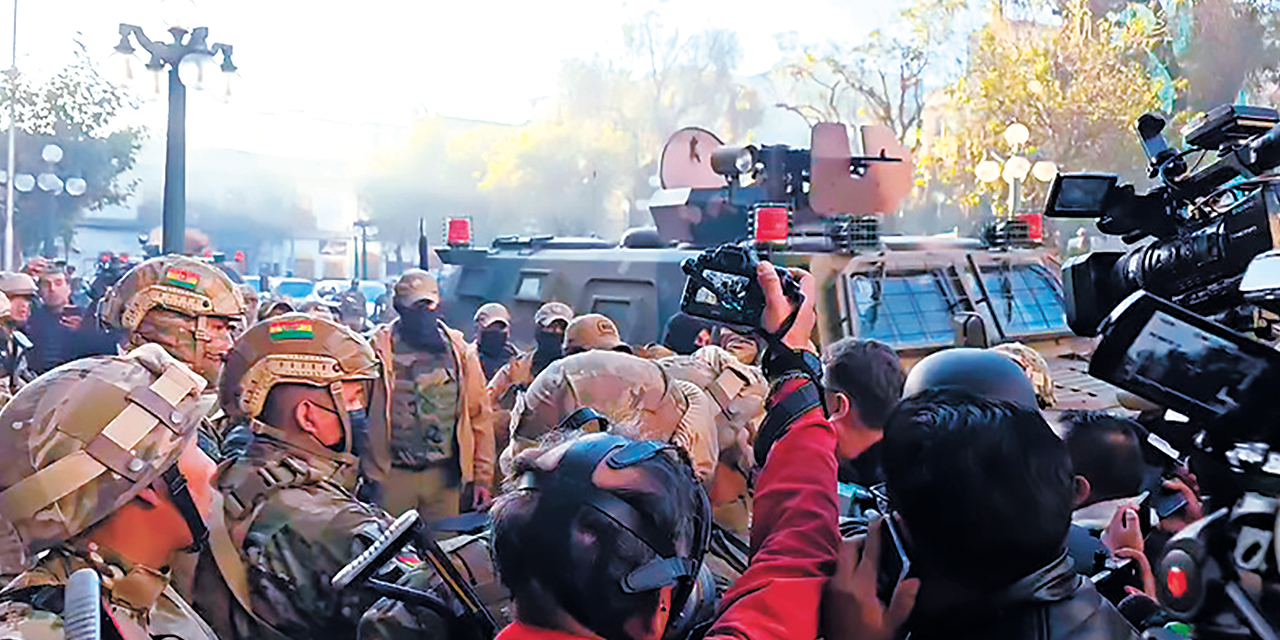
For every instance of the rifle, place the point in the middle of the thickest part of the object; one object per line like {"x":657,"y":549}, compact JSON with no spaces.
{"x":406,"y":528}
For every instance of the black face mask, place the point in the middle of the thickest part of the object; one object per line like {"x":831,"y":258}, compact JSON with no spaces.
{"x":419,"y":326}
{"x":550,"y":348}
{"x":493,"y":342}
{"x":359,"y":430}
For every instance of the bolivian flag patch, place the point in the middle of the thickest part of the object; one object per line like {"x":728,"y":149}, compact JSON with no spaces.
{"x":292,"y":329}
{"x":182,"y":278}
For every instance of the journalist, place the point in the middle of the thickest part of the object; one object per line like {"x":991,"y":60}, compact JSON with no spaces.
{"x":984,"y":491}
{"x":574,"y":574}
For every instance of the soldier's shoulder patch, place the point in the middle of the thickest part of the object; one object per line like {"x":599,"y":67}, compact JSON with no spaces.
{"x":292,"y":329}
{"x":182,"y":278}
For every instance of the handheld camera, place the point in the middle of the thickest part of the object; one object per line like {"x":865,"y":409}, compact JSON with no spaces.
{"x":722,"y":286}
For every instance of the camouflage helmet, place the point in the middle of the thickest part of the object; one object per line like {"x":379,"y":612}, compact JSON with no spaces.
{"x":172,"y":282}
{"x":84,"y":439}
{"x":492,"y":312}
{"x":5,"y":306}
{"x":297,"y":348}
{"x":1034,"y":366}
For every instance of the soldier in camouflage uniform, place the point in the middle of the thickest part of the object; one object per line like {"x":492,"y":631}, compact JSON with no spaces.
{"x":188,"y":307}
{"x":289,"y":520}
{"x":515,"y":377}
{"x":635,"y":394}
{"x":442,"y":443}
{"x":101,"y":472}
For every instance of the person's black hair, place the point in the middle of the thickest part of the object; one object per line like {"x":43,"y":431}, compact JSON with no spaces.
{"x":870,"y":373}
{"x":984,"y":487}
{"x":1105,"y":450}
{"x":602,"y":553}
{"x":682,"y":333}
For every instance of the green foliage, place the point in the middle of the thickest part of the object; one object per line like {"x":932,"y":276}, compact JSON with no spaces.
{"x":1078,"y":87}
{"x":77,"y":110}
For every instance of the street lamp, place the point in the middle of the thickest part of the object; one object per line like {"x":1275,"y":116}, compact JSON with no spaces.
{"x":1015,"y":168}
{"x":49,"y":182}
{"x":363,"y":253}
{"x":190,"y":61}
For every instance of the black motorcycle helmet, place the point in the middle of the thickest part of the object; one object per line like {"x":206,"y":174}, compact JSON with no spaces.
{"x":978,"y":371}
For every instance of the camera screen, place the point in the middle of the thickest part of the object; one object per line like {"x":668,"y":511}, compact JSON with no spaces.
{"x":1208,"y":371}
{"x":1078,"y":195}
{"x":732,"y":285}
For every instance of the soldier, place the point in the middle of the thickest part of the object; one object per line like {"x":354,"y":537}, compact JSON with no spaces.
{"x":21,"y":291}
{"x":442,"y":445}
{"x":314,"y":394}
{"x":634,"y":394}
{"x":493,"y":338}
{"x":514,"y":377}
{"x":186,"y":306}
{"x":593,"y":331}
{"x":101,"y":472}
{"x":251,"y":303}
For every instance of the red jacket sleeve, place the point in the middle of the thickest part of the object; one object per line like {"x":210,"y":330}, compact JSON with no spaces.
{"x":794,"y":539}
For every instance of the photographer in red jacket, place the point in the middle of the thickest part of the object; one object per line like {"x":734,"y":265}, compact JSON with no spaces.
{"x":601,"y":536}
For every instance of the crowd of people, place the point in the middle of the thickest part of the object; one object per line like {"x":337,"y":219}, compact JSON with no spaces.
{"x":217,"y":459}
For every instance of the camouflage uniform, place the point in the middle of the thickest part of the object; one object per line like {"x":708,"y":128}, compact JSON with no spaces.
{"x":169,"y":300}
{"x":78,"y":443}
{"x":516,"y":376}
{"x":441,"y":423}
{"x":289,"y":520}
{"x":634,"y":393}
{"x":738,"y":393}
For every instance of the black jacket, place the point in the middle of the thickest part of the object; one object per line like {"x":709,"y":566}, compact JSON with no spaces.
{"x":1053,"y":603}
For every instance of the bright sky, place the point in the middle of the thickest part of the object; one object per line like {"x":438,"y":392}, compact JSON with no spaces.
{"x":378,"y":60}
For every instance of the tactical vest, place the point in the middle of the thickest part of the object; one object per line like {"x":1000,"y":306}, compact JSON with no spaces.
{"x":425,"y":403}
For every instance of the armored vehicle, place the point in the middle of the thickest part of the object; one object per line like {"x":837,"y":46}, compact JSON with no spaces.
{"x":815,"y":208}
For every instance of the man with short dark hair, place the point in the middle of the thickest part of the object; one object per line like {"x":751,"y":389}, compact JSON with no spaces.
{"x":864,"y":381}
{"x":984,"y":491}
{"x":1107,"y":457}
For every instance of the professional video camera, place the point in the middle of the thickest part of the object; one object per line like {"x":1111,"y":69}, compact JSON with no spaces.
{"x":1207,"y":225}
{"x":1214,"y":233}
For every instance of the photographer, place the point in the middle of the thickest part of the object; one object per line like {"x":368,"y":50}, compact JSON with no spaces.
{"x":984,"y":492}
{"x":57,"y":327}
{"x":585,"y":589}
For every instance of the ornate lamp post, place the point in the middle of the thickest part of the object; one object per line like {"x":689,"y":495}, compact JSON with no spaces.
{"x":1015,"y":168}
{"x":190,"y":62}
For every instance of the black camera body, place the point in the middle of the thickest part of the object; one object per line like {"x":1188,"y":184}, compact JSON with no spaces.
{"x":722,"y":286}
{"x":1207,"y":226}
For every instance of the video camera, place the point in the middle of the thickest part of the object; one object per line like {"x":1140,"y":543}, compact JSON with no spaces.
{"x":110,"y":268}
{"x":1207,"y":226}
{"x":1213,"y":253}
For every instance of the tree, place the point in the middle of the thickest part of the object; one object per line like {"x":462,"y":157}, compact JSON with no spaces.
{"x":585,"y":162}
{"x":432,"y":178}
{"x":885,"y":80}
{"x":1078,"y":87}
{"x":78,"y":111}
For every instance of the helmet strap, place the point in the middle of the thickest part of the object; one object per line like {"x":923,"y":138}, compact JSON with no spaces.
{"x":180,"y":495}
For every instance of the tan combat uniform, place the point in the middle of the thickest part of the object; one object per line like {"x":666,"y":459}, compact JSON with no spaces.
{"x":516,"y":376}
{"x":635,"y":394}
{"x":441,"y":424}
